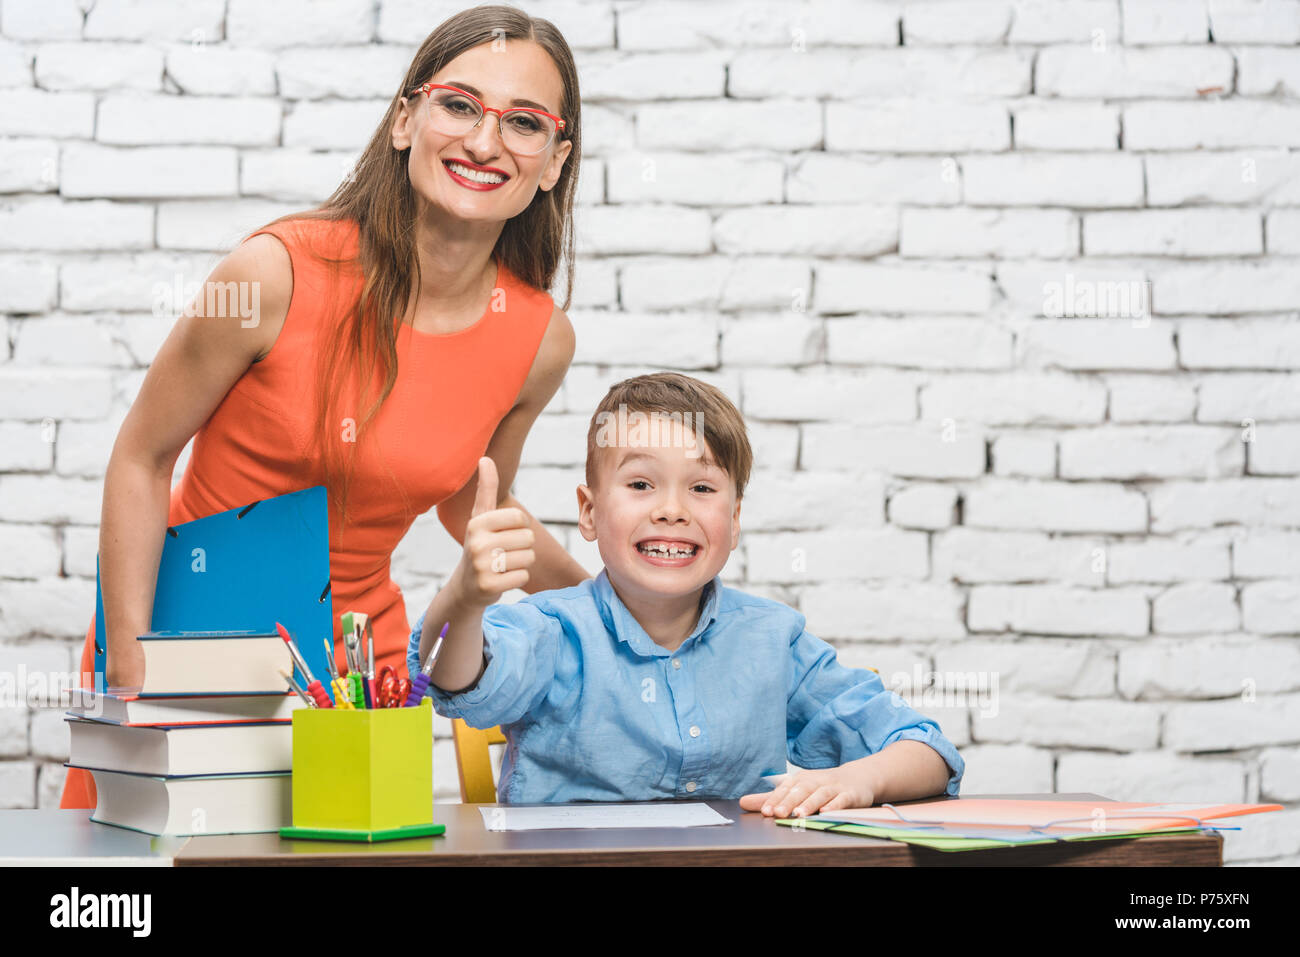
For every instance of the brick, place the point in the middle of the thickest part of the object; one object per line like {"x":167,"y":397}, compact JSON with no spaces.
{"x":90,"y":170}
{"x":896,"y":610}
{"x":1182,"y":232}
{"x":1065,"y":126}
{"x":1269,"y":502}
{"x":677,"y":340}
{"x":1153,"y":777}
{"x":1151,"y":398}
{"x":1255,"y":21}
{"x":1049,"y":722}
{"x":755,"y":282}
{"x":1206,"y":667}
{"x":99,"y":66}
{"x":131,"y":119}
{"x":1279,"y":778}
{"x":919,"y":343}
{"x":1056,"y":506}
{"x":195,"y":21}
{"x":829,"y":178}
{"x":726,"y":124}
{"x":36,"y":394}
{"x":785,"y":500}
{"x":1057,"y":610}
{"x":293,"y":174}
{"x":1264,"y":175}
{"x":41,"y":20}
{"x":779,"y":342}
{"x":1271,"y":607}
{"x":40,"y":113}
{"x":1006,"y":769}
{"x":956,"y":21}
{"x":29,"y":166}
{"x":54,"y":607}
{"x":351,"y":72}
{"x":1141,"y":452}
{"x":1265,"y":554}
{"x":1166,"y":561}
{"x":300,"y":22}
{"x":1233,"y":723}
{"x":204,"y":224}
{"x":813,"y":557}
{"x":776,"y":445}
{"x":1075,"y":289}
{"x":1195,"y":607}
{"x":332,"y":124}
{"x":923,"y":506}
{"x":27,"y":285}
{"x":1164,"y":21}
{"x":962,"y":72}
{"x":1017,"y":453}
{"x":673,"y":283}
{"x":808,"y":230}
{"x":127,"y":283}
{"x":80,"y":550}
{"x":1209,"y":125}
{"x":643,"y":229}
{"x":49,"y":735}
{"x":610,"y":75}
{"x":16,"y":63}
{"x":26,"y":447}
{"x":52,"y":224}
{"x":1131,"y":73}
{"x":1096,"y":344}
{"x":787,"y":395}
{"x":17,"y":782}
{"x":902,"y":287}
{"x":1282,"y":228}
{"x":1077,"y":670}
{"x":1274,"y":450}
{"x":1064,"y":179}
{"x":900,"y":450}
{"x":207,"y":70}
{"x":84,"y":448}
{"x":1064,"y":21}
{"x":1016,"y":398}
{"x":681,"y":178}
{"x":979,"y":556}
{"x":1268,"y":71}
{"x":972,"y":233}
{"x":661,"y":26}
{"x":68,"y":341}
{"x":30,"y":551}
{"x":917,"y":126}
{"x":1237,"y":343}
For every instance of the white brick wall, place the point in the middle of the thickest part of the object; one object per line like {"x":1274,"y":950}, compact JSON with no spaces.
{"x":857,"y":218}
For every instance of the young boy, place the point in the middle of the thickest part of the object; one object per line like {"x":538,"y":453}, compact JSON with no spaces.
{"x":654,"y":680}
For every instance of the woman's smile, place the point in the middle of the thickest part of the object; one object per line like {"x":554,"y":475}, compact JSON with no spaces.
{"x":474,"y":178}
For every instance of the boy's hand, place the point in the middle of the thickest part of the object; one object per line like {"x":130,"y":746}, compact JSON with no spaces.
{"x":498,"y":544}
{"x":807,"y":792}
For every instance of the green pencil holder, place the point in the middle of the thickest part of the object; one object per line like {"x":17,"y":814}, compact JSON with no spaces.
{"x":363,"y":775}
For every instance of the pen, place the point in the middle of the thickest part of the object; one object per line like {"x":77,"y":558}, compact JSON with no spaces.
{"x":420,"y":683}
{"x":313,"y":686}
{"x":372,"y":700}
{"x":295,"y":686}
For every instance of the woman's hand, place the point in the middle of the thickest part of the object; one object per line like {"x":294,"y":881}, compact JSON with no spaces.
{"x":125,"y":666}
{"x":498,"y":545}
{"x":807,"y":792}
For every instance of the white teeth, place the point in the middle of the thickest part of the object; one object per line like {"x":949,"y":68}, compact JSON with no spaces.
{"x":477,"y":176}
{"x":672,"y":551}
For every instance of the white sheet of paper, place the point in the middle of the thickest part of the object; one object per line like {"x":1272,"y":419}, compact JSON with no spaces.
{"x":649,"y":814}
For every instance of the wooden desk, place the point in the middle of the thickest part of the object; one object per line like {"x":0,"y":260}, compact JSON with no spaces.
{"x":752,"y":840}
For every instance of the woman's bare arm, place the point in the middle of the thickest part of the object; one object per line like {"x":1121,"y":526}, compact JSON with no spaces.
{"x":202,"y":357}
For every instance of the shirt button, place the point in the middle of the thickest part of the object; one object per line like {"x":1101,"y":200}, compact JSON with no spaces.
{"x":677,"y":663}
{"x":695,"y":731}
{"x":690,"y":785}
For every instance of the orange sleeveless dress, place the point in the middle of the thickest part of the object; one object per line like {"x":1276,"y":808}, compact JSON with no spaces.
{"x":422,"y":446}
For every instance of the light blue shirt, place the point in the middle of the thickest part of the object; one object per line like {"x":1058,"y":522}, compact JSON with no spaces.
{"x":594,"y":710}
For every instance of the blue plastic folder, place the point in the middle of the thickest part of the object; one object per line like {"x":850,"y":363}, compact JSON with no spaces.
{"x":245,"y":569}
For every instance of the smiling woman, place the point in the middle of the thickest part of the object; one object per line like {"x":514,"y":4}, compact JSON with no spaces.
{"x":405,"y":330}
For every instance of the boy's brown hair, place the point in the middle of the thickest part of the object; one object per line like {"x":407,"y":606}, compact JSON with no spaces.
{"x":703,"y":408}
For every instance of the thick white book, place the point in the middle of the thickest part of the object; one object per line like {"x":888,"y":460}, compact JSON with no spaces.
{"x":186,"y":750}
{"x":170,"y":710}
{"x":194,"y":806}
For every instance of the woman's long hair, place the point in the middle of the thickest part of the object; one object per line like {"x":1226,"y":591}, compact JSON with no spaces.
{"x":360,"y":338}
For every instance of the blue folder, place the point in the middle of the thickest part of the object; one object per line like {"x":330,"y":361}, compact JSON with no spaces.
{"x":246,"y":569}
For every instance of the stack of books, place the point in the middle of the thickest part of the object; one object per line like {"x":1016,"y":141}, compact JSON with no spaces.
{"x":205,"y":746}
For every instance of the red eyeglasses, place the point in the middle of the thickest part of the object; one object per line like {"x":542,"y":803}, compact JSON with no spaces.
{"x":454,"y":112}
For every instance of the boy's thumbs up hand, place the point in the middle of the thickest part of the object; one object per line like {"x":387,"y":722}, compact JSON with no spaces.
{"x":498,"y":544}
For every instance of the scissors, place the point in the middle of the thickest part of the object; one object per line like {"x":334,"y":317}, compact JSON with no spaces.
{"x":392,"y":689}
